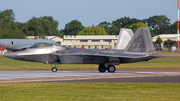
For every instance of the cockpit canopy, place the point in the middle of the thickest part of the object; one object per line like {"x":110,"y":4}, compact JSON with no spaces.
{"x":41,"y":44}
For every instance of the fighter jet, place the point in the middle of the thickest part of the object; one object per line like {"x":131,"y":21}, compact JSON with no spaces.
{"x":125,"y":36}
{"x":140,"y":48}
{"x":21,"y":44}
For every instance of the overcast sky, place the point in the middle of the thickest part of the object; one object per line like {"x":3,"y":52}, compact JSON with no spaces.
{"x":90,"y":12}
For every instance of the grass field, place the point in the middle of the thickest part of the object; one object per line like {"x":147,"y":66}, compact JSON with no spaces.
{"x":10,"y":64}
{"x":55,"y":91}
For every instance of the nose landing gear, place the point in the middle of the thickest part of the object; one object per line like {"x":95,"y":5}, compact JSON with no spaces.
{"x":54,"y":69}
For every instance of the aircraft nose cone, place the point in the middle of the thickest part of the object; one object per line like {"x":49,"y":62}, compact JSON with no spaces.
{"x":11,"y":55}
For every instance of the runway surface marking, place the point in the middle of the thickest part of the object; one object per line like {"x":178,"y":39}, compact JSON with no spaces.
{"x":38,"y":76}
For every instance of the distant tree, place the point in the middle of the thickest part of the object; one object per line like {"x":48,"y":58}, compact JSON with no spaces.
{"x":159,"y":40}
{"x":8,"y":28}
{"x":168,"y":43}
{"x":173,"y":28}
{"x":158,"y":21}
{"x":73,"y":28}
{"x":114,"y":27}
{"x":164,"y":29}
{"x":152,"y":33}
{"x":20,"y":24}
{"x":104,"y":24}
{"x":144,"y":21}
{"x":93,"y":31}
{"x":125,"y":22}
{"x":7,"y":16}
{"x":11,"y":31}
{"x":159,"y":24}
{"x":137,"y":25}
{"x":113,"y":30}
{"x":61,"y":33}
{"x":42,"y":26}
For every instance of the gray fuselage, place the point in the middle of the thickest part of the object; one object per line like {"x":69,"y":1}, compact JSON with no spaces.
{"x":63,"y":55}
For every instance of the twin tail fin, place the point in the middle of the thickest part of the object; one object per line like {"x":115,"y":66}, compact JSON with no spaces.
{"x":141,"y":42}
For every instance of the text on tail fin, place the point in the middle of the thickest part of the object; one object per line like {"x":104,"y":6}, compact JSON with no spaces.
{"x":141,"y":42}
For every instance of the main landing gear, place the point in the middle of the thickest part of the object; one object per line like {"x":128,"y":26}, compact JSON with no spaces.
{"x":54,"y":69}
{"x":110,"y":68}
{"x":102,"y":68}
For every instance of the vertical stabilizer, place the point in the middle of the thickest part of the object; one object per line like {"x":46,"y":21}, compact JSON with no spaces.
{"x":125,"y":36}
{"x":141,"y":42}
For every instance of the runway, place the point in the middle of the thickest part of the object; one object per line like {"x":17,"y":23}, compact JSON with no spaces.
{"x":90,"y":76}
{"x":152,"y":79}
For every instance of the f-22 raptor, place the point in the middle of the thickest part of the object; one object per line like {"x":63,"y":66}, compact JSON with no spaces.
{"x":140,"y":48}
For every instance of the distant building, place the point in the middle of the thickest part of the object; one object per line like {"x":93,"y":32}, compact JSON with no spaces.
{"x":90,"y":41}
{"x":97,"y":41}
{"x":165,"y":37}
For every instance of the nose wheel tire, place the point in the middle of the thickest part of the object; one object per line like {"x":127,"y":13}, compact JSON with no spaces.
{"x":111,"y":68}
{"x":54,"y":69}
{"x":102,"y":68}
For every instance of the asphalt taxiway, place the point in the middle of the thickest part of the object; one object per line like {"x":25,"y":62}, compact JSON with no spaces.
{"x":152,"y":79}
{"x":154,"y":76}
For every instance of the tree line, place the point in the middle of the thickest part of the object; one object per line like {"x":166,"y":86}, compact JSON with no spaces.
{"x":47,"y":26}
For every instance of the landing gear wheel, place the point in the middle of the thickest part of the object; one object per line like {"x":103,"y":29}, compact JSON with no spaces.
{"x":54,"y":69}
{"x":102,"y":68}
{"x":111,"y":68}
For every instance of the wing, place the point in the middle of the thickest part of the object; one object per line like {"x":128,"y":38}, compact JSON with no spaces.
{"x":102,"y":55}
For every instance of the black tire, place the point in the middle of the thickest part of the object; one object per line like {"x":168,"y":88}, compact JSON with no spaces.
{"x":102,"y":68}
{"x":54,"y":69}
{"x":111,"y":68}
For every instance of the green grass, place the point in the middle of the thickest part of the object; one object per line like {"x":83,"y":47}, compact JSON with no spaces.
{"x":55,"y":91}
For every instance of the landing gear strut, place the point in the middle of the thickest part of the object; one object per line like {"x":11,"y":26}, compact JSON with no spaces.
{"x":54,"y":69}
